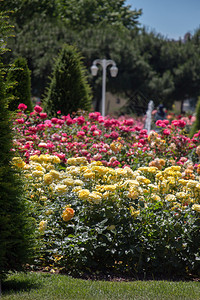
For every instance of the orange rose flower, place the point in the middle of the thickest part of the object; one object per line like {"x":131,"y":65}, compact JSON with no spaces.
{"x":68,"y":214}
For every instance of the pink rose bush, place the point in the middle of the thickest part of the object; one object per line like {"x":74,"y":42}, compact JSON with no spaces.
{"x":108,"y":196}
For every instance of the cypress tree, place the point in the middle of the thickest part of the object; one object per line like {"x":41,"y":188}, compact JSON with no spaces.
{"x":16,"y":224}
{"x":196,"y":125}
{"x":68,"y":90}
{"x":20,"y":77}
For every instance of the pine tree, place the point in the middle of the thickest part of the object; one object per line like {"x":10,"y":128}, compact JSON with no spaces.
{"x":21,"y":79}
{"x":68,"y":90}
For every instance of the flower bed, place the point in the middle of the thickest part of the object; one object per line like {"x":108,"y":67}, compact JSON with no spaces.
{"x":106,"y":196}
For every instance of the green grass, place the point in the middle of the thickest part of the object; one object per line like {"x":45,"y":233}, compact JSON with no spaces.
{"x":38,"y":286}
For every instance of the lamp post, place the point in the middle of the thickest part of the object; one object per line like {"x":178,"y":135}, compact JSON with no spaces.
{"x":113,"y":71}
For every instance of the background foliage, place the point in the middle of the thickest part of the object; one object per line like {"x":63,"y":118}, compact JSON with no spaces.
{"x":150,"y":66}
{"x":20,"y":78}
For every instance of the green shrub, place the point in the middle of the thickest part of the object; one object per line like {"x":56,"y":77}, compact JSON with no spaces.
{"x":21,"y":79}
{"x":68,"y":90}
{"x":16,"y":227}
{"x":15,"y":223}
{"x":196,"y":125}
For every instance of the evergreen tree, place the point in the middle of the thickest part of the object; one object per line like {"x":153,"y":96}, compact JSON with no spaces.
{"x":16,"y":227}
{"x":68,"y":90}
{"x":196,"y":125}
{"x":21,"y":78}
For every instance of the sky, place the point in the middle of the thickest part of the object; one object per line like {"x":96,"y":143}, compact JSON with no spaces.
{"x":171,"y":18}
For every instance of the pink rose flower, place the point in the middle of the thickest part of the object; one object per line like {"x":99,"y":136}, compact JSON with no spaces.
{"x":38,"y":109}
{"x":22,"y":106}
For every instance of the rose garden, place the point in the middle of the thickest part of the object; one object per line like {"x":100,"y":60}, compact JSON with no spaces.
{"x":107,"y":197}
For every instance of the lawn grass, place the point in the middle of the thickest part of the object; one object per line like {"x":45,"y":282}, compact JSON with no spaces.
{"x":40,"y":286}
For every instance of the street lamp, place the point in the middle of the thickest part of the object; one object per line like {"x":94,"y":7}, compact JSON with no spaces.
{"x":113,"y":71}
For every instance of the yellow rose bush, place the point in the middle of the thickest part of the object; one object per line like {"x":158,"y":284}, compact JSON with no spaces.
{"x":93,"y":216}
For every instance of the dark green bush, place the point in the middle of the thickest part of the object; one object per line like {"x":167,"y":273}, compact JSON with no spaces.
{"x":16,"y":226}
{"x":196,"y":125}
{"x":21,"y":80}
{"x":68,"y":90}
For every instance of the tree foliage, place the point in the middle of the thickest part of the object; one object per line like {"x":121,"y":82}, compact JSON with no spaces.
{"x":150,"y":66}
{"x":68,"y":90}
{"x":21,"y":79}
{"x":196,"y":125}
{"x":16,"y":225}
{"x":84,"y":13}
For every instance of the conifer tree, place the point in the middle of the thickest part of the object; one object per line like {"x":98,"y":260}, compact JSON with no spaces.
{"x":196,"y":125}
{"x":16,"y":225}
{"x":21,"y":78}
{"x":68,"y":90}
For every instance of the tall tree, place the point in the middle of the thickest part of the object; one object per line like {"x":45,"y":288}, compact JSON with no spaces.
{"x":69,"y":90}
{"x":21,"y":79}
{"x":83,"y":13}
{"x":16,"y":226}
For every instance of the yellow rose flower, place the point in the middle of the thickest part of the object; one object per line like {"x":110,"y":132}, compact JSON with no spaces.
{"x":89,"y":174}
{"x":49,"y":166}
{"x":83,"y":194}
{"x":181,"y":195}
{"x":44,"y":158}
{"x":143,"y":169}
{"x":55,"y":159}
{"x":76,"y":189}
{"x":121,"y":172}
{"x":42,"y":226}
{"x":34,"y":158}
{"x":55,"y":174}
{"x":95,"y":197}
{"x":133,"y":193}
{"x":191,"y":184}
{"x":171,"y":180}
{"x":48,"y":178}
{"x":61,"y":188}
{"x":183,"y":182}
{"x":170,"y":197}
{"x":81,"y":160}
{"x":128,"y":170}
{"x":18,"y":162}
{"x":101,"y":170}
{"x":155,"y":197}
{"x":196,"y":207}
{"x":73,"y":170}
{"x":68,"y":181}
{"x":110,"y":187}
{"x":143,"y":179}
{"x":37,"y":173}
{"x":159,"y":176}
{"x":71,"y":161}
{"x":78,"y":182}
{"x":39,"y":168}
